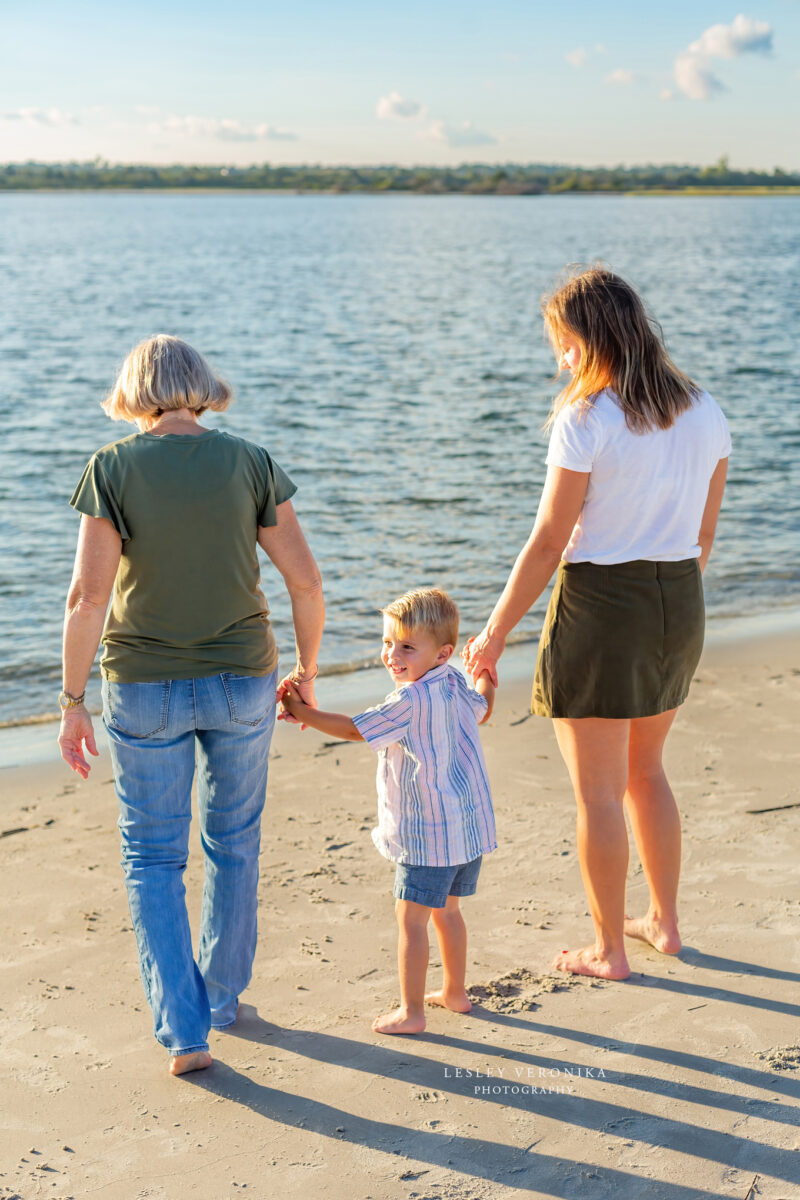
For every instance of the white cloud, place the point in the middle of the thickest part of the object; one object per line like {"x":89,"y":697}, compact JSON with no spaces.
{"x":465,"y":134}
{"x":223,"y":129}
{"x":40,"y":116}
{"x":395,"y":107}
{"x":580,"y":55}
{"x":742,"y":36}
{"x":666,"y":94}
{"x":621,"y":77}
{"x":576,"y":58}
{"x":694,"y":75}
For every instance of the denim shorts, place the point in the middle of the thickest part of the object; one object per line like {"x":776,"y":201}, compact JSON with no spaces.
{"x":432,"y":885}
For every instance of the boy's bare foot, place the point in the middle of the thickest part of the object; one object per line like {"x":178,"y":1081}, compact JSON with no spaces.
{"x":459,"y":1002}
{"x":649,"y":929}
{"x":179,"y":1064}
{"x":589,"y":962}
{"x":398,"y":1022}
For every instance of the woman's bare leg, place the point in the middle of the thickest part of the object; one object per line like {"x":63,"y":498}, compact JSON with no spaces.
{"x":596,"y":754}
{"x":656,"y":827}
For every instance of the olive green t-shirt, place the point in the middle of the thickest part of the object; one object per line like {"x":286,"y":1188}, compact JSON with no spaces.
{"x":187,"y":600}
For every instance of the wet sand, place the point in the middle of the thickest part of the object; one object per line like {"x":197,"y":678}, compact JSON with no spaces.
{"x":678,"y":1083}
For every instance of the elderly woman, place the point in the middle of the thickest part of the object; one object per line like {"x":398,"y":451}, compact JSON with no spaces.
{"x":171,"y":518}
{"x":636,"y":470}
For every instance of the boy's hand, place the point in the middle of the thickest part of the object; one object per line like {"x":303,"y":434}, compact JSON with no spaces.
{"x":485,"y":687}
{"x":292,"y":703}
{"x":303,"y":691}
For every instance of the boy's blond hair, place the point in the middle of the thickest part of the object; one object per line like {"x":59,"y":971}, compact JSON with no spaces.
{"x":426,"y":608}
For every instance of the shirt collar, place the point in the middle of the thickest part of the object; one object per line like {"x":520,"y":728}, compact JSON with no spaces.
{"x":436,"y":673}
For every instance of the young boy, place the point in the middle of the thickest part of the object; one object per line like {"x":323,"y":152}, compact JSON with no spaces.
{"x":435,"y":817}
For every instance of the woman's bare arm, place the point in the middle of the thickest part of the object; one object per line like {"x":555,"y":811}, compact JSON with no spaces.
{"x":708,"y":525}
{"x":286,"y":547}
{"x":559,"y":508}
{"x":96,"y":563}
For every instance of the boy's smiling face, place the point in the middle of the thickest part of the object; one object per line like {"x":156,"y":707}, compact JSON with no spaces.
{"x":408,"y":654}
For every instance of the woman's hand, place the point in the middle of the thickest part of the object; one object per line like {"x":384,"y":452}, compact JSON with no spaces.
{"x":76,"y":730}
{"x":305,"y":691}
{"x":292,"y":703}
{"x":481,"y":654}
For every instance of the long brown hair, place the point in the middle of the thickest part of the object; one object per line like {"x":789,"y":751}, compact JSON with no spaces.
{"x":622,"y":349}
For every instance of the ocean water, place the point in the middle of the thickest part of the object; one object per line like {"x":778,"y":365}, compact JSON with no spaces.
{"x":388,"y":351}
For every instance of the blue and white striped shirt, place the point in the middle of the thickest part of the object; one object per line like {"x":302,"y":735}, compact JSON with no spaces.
{"x":434,"y":803}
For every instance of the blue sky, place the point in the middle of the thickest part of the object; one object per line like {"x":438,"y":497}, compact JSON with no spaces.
{"x":241,"y":82}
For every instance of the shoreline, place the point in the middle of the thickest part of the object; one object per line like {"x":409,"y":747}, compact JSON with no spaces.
{"x":32,"y":740}
{"x":723,"y":190}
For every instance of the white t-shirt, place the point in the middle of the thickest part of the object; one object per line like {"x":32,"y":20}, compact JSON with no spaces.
{"x":647,"y":491}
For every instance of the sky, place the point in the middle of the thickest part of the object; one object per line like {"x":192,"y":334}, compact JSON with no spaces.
{"x":409,"y":83}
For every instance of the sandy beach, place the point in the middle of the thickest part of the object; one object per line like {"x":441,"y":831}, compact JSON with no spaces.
{"x":677,"y":1083}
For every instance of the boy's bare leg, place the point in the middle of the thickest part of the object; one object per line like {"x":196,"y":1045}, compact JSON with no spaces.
{"x":412,"y":962}
{"x":451,"y":933}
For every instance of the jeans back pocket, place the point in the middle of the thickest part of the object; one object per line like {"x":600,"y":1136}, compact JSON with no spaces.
{"x":250,"y":697}
{"x":140,"y":710}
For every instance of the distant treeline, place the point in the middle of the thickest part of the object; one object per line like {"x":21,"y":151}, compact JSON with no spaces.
{"x":510,"y":179}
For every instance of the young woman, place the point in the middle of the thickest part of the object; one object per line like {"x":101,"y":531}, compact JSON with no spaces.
{"x":171,"y":519}
{"x":636,"y":471}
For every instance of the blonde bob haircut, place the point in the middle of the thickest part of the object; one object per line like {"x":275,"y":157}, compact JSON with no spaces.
{"x":429,"y":609}
{"x":164,"y":374}
{"x":622,"y":348}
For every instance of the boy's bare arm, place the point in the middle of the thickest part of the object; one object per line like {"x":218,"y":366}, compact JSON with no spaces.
{"x":336,"y":724}
{"x":484,"y":687}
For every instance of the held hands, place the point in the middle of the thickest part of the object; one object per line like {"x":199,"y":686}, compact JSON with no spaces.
{"x":76,"y":729}
{"x":294,"y":698}
{"x":481,"y":654}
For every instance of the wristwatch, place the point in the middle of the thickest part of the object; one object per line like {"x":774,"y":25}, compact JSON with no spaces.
{"x":67,"y":701}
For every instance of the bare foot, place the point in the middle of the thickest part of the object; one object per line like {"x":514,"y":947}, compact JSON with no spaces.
{"x":459,"y":1002}
{"x":589,"y":962}
{"x":398,"y":1022}
{"x":649,"y":929}
{"x":179,"y":1064}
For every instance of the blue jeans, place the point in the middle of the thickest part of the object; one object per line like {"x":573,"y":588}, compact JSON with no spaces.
{"x":158,"y":734}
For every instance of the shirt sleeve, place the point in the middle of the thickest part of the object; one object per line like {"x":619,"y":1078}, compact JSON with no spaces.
{"x":95,"y":497}
{"x":725,"y":437}
{"x":385,"y":723}
{"x":575,"y":439}
{"x":277,"y":488}
{"x":478,"y":703}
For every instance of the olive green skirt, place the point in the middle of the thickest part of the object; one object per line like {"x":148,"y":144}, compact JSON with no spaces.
{"x":619,"y":641}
